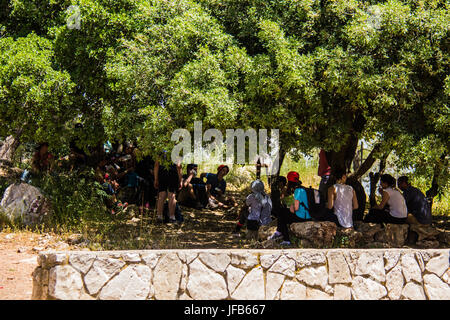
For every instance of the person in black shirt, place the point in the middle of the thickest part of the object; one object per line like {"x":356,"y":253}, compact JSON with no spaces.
{"x":419,"y":211}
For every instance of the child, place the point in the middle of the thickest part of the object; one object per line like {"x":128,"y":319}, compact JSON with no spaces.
{"x":259,"y":209}
{"x":111,"y":190}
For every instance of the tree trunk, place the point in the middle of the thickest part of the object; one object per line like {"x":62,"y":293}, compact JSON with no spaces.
{"x":343,"y":158}
{"x":434,"y":189}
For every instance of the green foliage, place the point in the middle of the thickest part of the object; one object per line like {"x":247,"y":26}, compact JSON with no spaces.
{"x":34,"y":97}
{"x":75,"y":197}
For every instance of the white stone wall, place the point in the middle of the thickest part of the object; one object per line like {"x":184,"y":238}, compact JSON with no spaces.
{"x":294,"y":274}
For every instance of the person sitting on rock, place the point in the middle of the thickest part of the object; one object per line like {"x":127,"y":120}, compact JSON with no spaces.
{"x":256,"y":212}
{"x":392,"y":208}
{"x":296,"y":209}
{"x":341,"y":201}
{"x":193,"y":191}
{"x":216,"y":187}
{"x":416,"y":202}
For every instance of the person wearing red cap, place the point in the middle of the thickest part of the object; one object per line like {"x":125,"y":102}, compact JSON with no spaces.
{"x":296,"y":209}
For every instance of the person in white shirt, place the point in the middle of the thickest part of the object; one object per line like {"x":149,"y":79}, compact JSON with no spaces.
{"x":342,"y":201}
{"x":392,"y":208}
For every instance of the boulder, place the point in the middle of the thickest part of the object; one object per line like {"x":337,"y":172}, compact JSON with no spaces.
{"x":424,"y":231}
{"x":393,"y":234}
{"x":23,"y":202}
{"x":266,"y":231}
{"x":317,"y":234}
{"x":349,"y":237}
{"x":444,"y":238}
{"x":368,"y":230}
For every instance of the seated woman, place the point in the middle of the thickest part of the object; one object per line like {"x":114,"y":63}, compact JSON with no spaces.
{"x":296,"y":208}
{"x":342,"y":201}
{"x":392,"y":208}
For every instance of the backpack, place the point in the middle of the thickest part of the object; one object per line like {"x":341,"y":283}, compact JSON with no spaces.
{"x":317,"y":206}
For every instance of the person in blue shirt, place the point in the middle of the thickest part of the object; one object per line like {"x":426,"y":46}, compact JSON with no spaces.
{"x":296,"y":209}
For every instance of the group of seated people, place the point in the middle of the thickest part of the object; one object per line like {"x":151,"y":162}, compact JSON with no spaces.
{"x":149,"y":183}
{"x":288,"y":203}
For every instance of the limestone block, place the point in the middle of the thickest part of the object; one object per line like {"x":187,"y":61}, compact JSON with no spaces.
{"x":314,"y":276}
{"x":251,"y":287}
{"x":216,"y":261}
{"x":245,"y":260}
{"x":394,"y":283}
{"x":267,"y":260}
{"x":81,"y":261}
{"x":315,"y":294}
{"x":391,"y":259}
{"x":304,"y":259}
{"x":413,"y":291}
{"x":285,"y":266}
{"x":410,"y":267}
{"x":367,"y":289}
{"x":234,"y":276}
{"x":150,"y":259}
{"x":435,"y":288}
{"x":65,"y":283}
{"x":438,"y":265}
{"x":166,"y":279}
{"x":273,"y":284}
{"x":342,"y":292}
{"x":132,"y":283}
{"x":339,"y":271}
{"x":131,"y":257}
{"x":204,"y":283}
{"x":371,"y":264}
{"x":292,"y":290}
{"x":102,"y":270}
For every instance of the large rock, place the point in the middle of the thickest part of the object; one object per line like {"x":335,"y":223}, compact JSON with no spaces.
{"x":315,"y":234}
{"x":393,"y":234}
{"x":167,"y":275}
{"x":425,"y":232}
{"x":264,"y":232}
{"x":25,"y":203}
{"x":368,"y":230}
{"x":349,"y":237}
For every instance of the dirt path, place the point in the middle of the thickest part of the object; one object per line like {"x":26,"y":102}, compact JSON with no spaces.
{"x":18,"y":259}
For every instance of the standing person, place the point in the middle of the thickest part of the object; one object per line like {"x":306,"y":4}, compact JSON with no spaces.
{"x":416,"y":203}
{"x":167,"y":182}
{"x":342,"y":201}
{"x":297,"y":208}
{"x":324,"y":172}
{"x":144,"y":169}
{"x":392,"y":208}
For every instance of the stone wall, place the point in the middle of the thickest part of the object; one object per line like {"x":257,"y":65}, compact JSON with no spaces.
{"x":244,"y":274}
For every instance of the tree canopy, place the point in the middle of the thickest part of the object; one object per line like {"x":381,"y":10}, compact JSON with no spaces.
{"x":325,"y":73}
